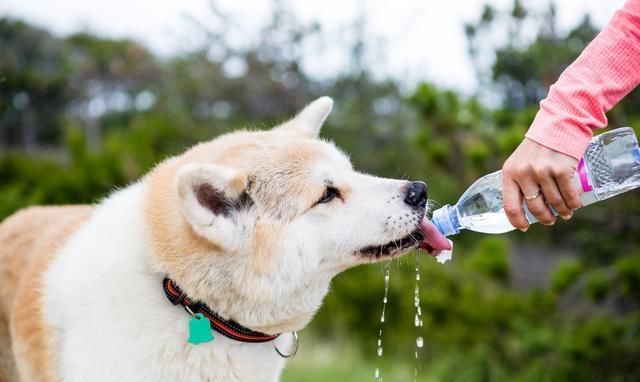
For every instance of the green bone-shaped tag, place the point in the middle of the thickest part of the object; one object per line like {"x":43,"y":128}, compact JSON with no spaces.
{"x":200,"y":330}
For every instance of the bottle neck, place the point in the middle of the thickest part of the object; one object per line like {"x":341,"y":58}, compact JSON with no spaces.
{"x":446,"y":220}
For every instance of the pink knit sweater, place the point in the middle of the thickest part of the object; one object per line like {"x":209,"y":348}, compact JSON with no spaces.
{"x":606,"y":71}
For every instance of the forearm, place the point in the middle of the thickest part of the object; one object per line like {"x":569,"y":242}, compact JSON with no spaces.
{"x":606,"y":71}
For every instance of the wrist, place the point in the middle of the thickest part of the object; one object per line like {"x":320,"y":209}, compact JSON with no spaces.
{"x":568,"y":141}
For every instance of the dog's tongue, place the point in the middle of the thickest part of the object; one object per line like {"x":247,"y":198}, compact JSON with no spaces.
{"x":434,"y":241}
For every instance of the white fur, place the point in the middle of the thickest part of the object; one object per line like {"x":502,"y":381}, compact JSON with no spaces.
{"x":103,"y":295}
{"x":113,"y":322}
{"x":309,"y":121}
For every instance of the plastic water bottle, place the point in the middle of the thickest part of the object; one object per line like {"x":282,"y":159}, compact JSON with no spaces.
{"x":610,"y":166}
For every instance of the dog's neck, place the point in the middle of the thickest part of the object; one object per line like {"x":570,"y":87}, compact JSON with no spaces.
{"x":215,"y":278}
{"x":227,"y":328}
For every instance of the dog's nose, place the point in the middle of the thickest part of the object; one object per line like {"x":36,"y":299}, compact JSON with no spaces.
{"x":416,"y":194}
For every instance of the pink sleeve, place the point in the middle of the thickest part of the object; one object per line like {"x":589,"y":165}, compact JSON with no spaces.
{"x":606,"y":71}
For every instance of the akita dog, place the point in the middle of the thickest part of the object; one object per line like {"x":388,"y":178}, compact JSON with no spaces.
{"x":236,"y":238}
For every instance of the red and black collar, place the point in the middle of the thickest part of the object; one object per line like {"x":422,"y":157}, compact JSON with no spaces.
{"x":227,"y":328}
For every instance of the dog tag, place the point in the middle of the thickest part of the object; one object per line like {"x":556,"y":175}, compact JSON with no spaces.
{"x":200,"y":330}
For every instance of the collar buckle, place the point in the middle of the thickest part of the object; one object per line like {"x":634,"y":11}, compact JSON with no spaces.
{"x":294,"y":350}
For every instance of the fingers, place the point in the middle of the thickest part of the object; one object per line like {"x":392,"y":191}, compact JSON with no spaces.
{"x":538,"y":208}
{"x":512,"y":201}
{"x":568,"y":189}
{"x":534,"y":168}
{"x":553,"y":197}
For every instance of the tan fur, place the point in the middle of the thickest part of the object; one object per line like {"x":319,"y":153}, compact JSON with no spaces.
{"x":175,"y":244}
{"x":165,"y":220}
{"x":31,"y":237}
{"x":29,"y":240}
{"x":267,"y":237}
{"x":233,"y":237}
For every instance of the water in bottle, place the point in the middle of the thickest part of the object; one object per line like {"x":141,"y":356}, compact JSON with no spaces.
{"x":610,"y":166}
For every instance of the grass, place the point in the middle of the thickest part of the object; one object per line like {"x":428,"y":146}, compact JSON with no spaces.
{"x":319,"y":361}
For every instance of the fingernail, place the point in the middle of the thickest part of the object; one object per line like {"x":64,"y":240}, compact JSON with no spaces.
{"x":566,"y":217}
{"x":524,"y":229}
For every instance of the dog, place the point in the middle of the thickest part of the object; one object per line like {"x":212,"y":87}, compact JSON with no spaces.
{"x":242,"y":233}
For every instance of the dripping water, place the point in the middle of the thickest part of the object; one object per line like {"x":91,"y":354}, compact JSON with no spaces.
{"x":417,"y":322}
{"x":379,"y":348}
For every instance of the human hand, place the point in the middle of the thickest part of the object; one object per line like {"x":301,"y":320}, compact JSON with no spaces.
{"x":542,"y":177}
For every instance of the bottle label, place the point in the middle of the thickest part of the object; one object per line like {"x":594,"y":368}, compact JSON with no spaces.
{"x":583,"y":176}
{"x":584,"y":187}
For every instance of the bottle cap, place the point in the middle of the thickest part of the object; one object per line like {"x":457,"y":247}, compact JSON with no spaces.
{"x":443,"y":218}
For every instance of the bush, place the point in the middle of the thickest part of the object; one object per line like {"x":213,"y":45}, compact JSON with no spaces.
{"x":598,"y":285}
{"x":491,"y":258}
{"x":628,"y":269}
{"x":564,"y":274}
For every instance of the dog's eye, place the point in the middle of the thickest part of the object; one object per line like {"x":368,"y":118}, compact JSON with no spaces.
{"x":330,"y":193}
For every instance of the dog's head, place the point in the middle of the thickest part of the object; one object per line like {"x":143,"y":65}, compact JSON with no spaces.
{"x":257,"y":223}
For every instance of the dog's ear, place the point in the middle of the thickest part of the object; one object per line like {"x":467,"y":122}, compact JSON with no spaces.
{"x":309,"y":121}
{"x":210,"y":198}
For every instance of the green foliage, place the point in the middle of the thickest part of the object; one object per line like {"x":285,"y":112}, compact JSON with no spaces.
{"x":491,"y":258}
{"x":628,"y":269}
{"x":33,"y":85}
{"x":564,"y":274}
{"x":598,"y":284}
{"x":490,"y":315}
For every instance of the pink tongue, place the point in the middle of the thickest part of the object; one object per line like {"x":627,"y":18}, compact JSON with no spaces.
{"x":434,"y":239}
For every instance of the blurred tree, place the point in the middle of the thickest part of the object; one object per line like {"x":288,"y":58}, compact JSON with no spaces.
{"x":109,"y":76}
{"x":260,"y":81}
{"x":522,"y":70}
{"x":115,"y":109}
{"x":34,"y":72}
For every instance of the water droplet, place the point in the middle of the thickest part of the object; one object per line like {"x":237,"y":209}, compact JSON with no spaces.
{"x":384,"y":307}
{"x":417,"y":321}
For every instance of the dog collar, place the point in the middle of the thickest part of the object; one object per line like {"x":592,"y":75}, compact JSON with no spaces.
{"x":227,"y":328}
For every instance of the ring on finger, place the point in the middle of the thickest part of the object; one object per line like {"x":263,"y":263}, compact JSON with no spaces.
{"x":533,"y":196}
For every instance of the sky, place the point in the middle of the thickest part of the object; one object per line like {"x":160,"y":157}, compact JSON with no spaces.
{"x":421,"y":39}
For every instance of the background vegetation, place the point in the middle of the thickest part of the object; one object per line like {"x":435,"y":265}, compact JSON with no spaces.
{"x":82,"y":114}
